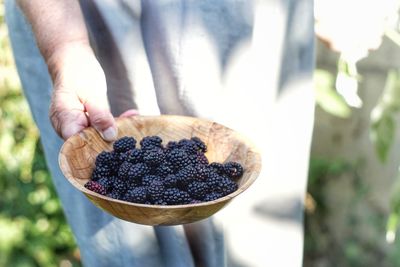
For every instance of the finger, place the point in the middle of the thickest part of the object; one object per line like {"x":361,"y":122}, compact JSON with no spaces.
{"x":101,"y":118}
{"x":67,"y":114}
{"x":129,"y":113}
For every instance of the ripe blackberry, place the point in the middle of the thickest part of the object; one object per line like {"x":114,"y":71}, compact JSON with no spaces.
{"x":115,"y":195}
{"x":185,"y":176}
{"x":203,"y":172}
{"x":218,"y":167}
{"x":214,"y":180}
{"x":226,"y":186}
{"x":212,"y":196}
{"x":119,"y":186}
{"x":124,"y":169}
{"x":201,"y":146}
{"x":171,"y":145}
{"x":188,"y":145}
{"x":124,"y":144}
{"x":104,"y":158}
{"x":198,"y":190}
{"x":135,"y":156}
{"x":107,"y":183}
{"x":136,"y":195}
{"x":123,"y":156}
{"x":95,"y":187}
{"x":178,"y":158}
{"x":170,"y":181}
{"x":138,"y":170}
{"x":199,"y":158}
{"x":150,"y":142}
{"x":148,"y":179}
{"x":233,"y":169}
{"x":100,"y":171}
{"x":174,"y":196}
{"x":153,"y":156}
{"x":160,"y":202}
{"x":164,"y":169}
{"x":156,"y":190}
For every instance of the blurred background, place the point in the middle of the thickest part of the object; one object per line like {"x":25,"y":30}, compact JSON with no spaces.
{"x":353,"y":198}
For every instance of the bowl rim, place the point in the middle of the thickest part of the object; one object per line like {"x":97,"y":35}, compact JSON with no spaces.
{"x":244,"y":187}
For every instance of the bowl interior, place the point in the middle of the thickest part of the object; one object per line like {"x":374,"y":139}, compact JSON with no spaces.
{"x":78,"y":155}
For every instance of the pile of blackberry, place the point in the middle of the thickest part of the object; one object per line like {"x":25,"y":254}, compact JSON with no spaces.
{"x":153,"y":173}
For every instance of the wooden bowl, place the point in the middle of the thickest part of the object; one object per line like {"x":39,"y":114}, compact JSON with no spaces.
{"x":78,"y":154}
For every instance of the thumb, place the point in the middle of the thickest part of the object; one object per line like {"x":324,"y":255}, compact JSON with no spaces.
{"x":101,"y":118}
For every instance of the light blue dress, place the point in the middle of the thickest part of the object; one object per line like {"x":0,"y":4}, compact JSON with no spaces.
{"x":246,"y":64}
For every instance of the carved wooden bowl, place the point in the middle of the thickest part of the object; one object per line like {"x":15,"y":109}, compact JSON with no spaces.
{"x":78,"y":154}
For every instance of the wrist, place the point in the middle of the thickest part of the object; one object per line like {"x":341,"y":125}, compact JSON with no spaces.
{"x":62,"y":56}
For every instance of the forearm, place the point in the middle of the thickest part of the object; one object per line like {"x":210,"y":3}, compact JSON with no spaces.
{"x":58,"y":26}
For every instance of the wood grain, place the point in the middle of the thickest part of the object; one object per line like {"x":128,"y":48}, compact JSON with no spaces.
{"x":78,"y":154}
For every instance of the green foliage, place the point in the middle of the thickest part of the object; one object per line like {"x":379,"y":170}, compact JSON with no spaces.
{"x":33,"y":230}
{"x":383,"y":124}
{"x":327,"y":97}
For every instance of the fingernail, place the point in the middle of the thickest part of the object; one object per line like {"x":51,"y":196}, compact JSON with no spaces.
{"x":110,"y":134}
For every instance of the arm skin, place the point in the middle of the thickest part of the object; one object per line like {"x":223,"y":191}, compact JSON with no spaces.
{"x":79,"y":97}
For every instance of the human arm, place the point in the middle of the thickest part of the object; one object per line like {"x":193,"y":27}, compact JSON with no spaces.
{"x":79,"y":97}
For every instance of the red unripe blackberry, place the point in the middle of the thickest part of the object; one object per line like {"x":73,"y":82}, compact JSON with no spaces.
{"x":95,"y":187}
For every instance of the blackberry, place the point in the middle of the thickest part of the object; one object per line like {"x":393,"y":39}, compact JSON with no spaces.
{"x":218,"y":167}
{"x":148,"y":179}
{"x":212,"y":196}
{"x":114,"y":194}
{"x":153,"y":156}
{"x":214,"y":180}
{"x":96,"y":187}
{"x":226,"y":186}
{"x":203,"y":172}
{"x":107,"y":183}
{"x":124,"y":169}
{"x":156,"y":190}
{"x":188,"y":145}
{"x":233,"y":169}
{"x":170,"y":181}
{"x":201,"y":146}
{"x":100,"y":171}
{"x":119,"y":186}
{"x":123,"y":156}
{"x":138,"y":170}
{"x":199,"y":158}
{"x":136,"y":195}
{"x":164,"y":169}
{"x":104,"y":158}
{"x":185,"y":176}
{"x":150,"y":142}
{"x":174,"y":196}
{"x":160,"y":202}
{"x":124,"y":144}
{"x":135,"y":156}
{"x":171,"y":145}
{"x":178,"y":158}
{"x":198,"y":190}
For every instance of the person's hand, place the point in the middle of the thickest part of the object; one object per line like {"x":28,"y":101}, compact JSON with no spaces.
{"x":79,"y":97}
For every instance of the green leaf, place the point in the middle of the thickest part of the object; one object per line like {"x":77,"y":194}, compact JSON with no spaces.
{"x":382,"y":135}
{"x":327,"y":97}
